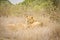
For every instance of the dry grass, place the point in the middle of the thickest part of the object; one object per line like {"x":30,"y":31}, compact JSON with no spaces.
{"x":16,"y":28}
{"x":42,"y":21}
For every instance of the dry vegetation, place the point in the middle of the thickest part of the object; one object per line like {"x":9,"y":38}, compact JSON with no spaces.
{"x":28,"y":22}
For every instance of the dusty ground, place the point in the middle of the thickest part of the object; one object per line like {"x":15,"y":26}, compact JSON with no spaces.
{"x":16,"y":28}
